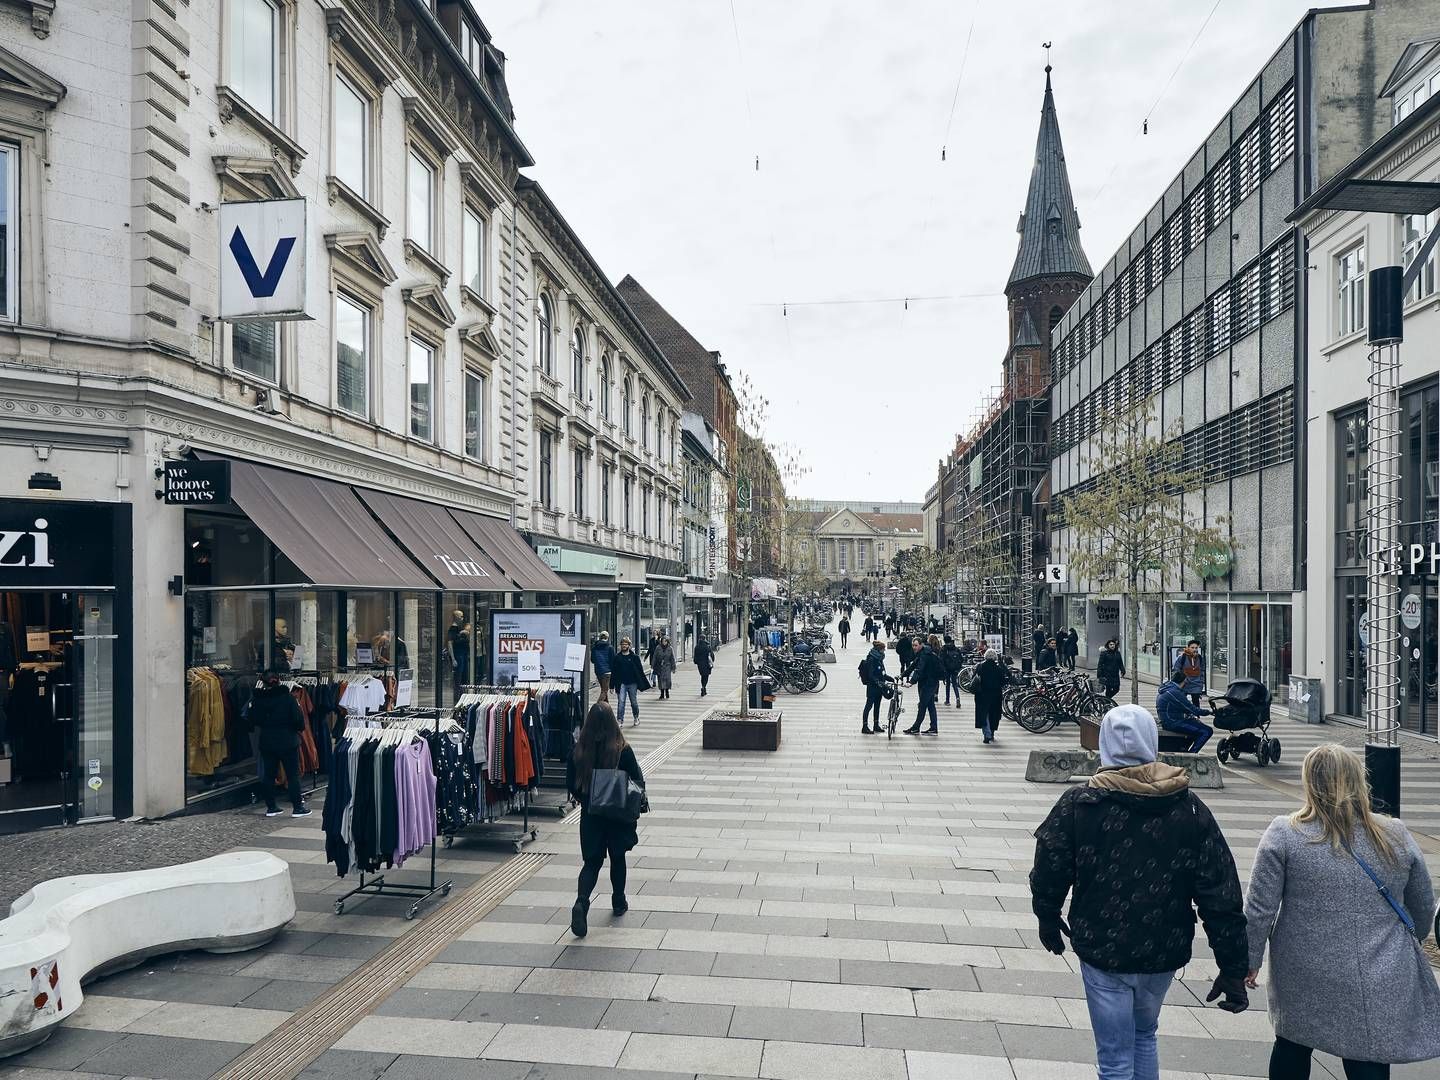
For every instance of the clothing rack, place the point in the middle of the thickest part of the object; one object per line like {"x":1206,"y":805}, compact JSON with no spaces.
{"x":496,"y":832}
{"x":377,"y":884}
{"x":547,"y":783}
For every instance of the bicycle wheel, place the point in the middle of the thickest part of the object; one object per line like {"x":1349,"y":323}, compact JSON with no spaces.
{"x":1037,"y":716}
{"x":1013,"y":700}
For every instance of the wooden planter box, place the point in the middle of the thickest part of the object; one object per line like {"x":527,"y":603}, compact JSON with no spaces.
{"x":726,"y":731}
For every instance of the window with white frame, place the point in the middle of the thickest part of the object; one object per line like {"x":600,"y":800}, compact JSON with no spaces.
{"x":254,"y":348}
{"x":824,"y":557}
{"x":475,"y":415}
{"x":546,"y":468}
{"x":606,"y":472}
{"x":352,"y":137}
{"x":472,"y":257}
{"x":645,"y":512}
{"x":9,"y":233}
{"x":626,"y":402}
{"x":627,"y":487}
{"x":645,"y":421}
{"x":605,"y":386}
{"x":1350,"y":291}
{"x":577,"y":361}
{"x":579,"y":476}
{"x":842,"y":556}
{"x":545,"y":347}
{"x":352,"y":355}
{"x":422,"y":393}
{"x":254,"y":54}
{"x":860,"y":552}
{"x":1414,"y":228}
{"x":420,"y":201}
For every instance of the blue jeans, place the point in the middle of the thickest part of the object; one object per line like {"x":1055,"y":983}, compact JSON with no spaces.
{"x":627,"y":690}
{"x":1124,"y":1012}
{"x":1198,"y":733}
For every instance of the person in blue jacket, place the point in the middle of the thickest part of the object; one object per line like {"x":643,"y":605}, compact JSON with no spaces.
{"x":602,"y":655}
{"x":1180,"y":715}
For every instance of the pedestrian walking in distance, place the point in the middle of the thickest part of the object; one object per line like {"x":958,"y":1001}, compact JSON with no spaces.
{"x":1138,"y":854}
{"x":602,"y":655}
{"x":663,"y":665}
{"x":988,"y":688}
{"x":926,"y":671}
{"x":1347,"y":975}
{"x":1038,"y":638}
{"x":1047,"y":660}
{"x":953,"y":660}
{"x":704,"y":657}
{"x":1072,"y":648}
{"x":867,"y":631}
{"x":278,"y":721}
{"x":872,"y":674}
{"x":1110,"y":668}
{"x":601,"y":745}
{"x":1177,"y":714}
{"x":629,"y":676}
{"x":844,"y":629}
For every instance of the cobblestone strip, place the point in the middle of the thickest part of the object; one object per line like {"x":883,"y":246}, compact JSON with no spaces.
{"x":294,"y":1045}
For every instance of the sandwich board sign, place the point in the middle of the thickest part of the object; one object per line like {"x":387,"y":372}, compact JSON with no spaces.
{"x":262,"y":260}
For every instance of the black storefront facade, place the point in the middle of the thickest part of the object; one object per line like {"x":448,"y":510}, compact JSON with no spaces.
{"x":338,"y":586}
{"x":66,"y":662}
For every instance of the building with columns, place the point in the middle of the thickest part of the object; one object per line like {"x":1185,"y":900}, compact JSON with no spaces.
{"x":854,"y":540}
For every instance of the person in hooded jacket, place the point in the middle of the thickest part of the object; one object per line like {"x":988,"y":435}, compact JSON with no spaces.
{"x":927,"y":671}
{"x":1038,"y":638}
{"x":662,"y":663}
{"x":277,"y":719}
{"x":988,"y":688}
{"x":1137,"y":840}
{"x":1110,"y":668}
{"x":905,"y":650}
{"x":954,"y":660}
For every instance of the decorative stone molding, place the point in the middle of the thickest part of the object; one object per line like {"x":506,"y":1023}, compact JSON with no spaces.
{"x":423,"y":122}
{"x":39,"y":11}
{"x":282,"y":146}
{"x":340,"y":192}
{"x":23,"y":82}
{"x":58,"y":410}
{"x":427,"y":304}
{"x":479,"y":184}
{"x":360,"y":255}
{"x":415,"y":253}
{"x":345,"y":30}
{"x":259,"y":178}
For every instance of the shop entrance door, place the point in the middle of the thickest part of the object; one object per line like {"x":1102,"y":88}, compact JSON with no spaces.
{"x":57,"y":738}
{"x":1418,"y":617}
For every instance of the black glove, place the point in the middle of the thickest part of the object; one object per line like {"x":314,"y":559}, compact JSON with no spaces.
{"x":1050,"y":935}
{"x":1237,"y":1000}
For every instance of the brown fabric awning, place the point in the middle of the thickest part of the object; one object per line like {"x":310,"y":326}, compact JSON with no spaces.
{"x":323,"y":529}
{"x":433,"y":539}
{"x":508,"y":548}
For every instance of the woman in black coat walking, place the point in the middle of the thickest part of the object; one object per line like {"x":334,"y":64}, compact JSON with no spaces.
{"x":601,"y":745}
{"x":1072,"y":648}
{"x":989,"y":688}
{"x":277,"y":719}
{"x":704,"y":658}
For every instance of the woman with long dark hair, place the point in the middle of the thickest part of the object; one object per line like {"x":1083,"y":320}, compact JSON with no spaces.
{"x":601,"y":745}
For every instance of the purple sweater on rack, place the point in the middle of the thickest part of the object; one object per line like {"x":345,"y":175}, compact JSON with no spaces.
{"x":414,"y":798}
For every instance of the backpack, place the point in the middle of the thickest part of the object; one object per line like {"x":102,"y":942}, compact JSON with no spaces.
{"x":864,"y":676}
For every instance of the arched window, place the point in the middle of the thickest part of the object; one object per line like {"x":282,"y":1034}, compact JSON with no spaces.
{"x":1056,"y":314}
{"x":546,"y":349}
{"x":605,"y":386}
{"x":577,"y":361}
{"x":645,"y":421}
{"x":627,"y":397}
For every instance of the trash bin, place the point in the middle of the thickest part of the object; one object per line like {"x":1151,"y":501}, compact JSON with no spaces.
{"x":761,"y":692}
{"x":1305,"y":698}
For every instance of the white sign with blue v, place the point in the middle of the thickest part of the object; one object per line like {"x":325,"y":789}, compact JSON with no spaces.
{"x":262,"y":260}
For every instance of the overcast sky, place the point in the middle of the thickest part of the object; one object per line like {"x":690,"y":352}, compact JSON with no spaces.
{"x":645,"y":118}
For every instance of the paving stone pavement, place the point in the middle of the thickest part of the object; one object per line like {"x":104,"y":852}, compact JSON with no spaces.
{"x":849,"y":906}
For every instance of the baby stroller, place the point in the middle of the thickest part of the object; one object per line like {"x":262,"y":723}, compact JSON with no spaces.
{"x":1246,"y":709}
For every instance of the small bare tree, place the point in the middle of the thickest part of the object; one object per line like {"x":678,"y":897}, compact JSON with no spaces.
{"x":922,"y":570}
{"x":1132,"y":531}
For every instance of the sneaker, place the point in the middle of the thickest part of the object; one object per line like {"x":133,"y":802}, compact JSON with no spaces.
{"x":577,"y":918}
{"x":274,"y":813}
{"x":930,"y":731}
{"x":912,"y":731}
{"x":304,"y":811}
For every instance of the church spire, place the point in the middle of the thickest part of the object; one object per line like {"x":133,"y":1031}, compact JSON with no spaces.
{"x":1050,"y":228}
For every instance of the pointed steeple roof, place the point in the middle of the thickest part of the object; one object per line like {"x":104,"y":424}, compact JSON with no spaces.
{"x":1050,"y":228}
{"x":1026,"y":337}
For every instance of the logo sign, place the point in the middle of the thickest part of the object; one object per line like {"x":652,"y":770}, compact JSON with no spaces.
{"x":514,"y":645}
{"x":56,"y":544}
{"x":1363,"y":630}
{"x":1055,"y":573}
{"x":742,"y":495}
{"x":189,"y":483}
{"x":1212,"y":560}
{"x":262,"y":260}
{"x":462,"y":567}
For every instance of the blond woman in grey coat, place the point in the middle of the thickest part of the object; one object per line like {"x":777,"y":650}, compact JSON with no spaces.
{"x":1346,"y":976}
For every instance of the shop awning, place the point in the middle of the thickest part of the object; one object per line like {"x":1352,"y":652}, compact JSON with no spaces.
{"x":433,"y":539}
{"x":664,"y":569}
{"x":323,"y":529}
{"x":511,"y":552}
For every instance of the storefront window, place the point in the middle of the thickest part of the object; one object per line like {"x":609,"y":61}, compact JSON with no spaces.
{"x":1277,"y":663}
{"x":1182,"y":623}
{"x":1354,"y":634}
{"x":1152,"y":648}
{"x":304,"y":630}
{"x":1075,"y":617}
{"x":93,"y":696}
{"x":629,"y":610}
{"x":229,"y":641}
{"x":648,"y":629}
{"x":224,"y":550}
{"x":1219,"y":646}
{"x":417,"y":641}
{"x":370,"y":632}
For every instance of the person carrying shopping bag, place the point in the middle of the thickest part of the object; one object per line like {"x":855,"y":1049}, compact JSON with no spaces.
{"x":1338,"y":894}
{"x":601,"y":746}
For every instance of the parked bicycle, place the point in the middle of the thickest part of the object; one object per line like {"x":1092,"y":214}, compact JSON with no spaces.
{"x":1043,"y":701}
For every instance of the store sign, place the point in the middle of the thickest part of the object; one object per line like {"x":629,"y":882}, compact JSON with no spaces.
{"x":569,"y":561}
{"x":262,"y":260}
{"x":698,"y":588}
{"x":712,"y":554}
{"x":1212,"y":560}
{"x":56,"y":543}
{"x":536,"y":643}
{"x":197,"y":483}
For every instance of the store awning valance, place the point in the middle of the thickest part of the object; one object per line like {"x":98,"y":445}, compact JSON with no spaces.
{"x":434,"y":540}
{"x":323,"y":528}
{"x":664,"y":569}
{"x":511,"y":552}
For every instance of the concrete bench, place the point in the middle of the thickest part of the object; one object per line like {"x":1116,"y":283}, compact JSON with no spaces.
{"x":1060,"y":766}
{"x":67,"y":931}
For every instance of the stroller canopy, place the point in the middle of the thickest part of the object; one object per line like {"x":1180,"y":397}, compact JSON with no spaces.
{"x":1247,"y":692}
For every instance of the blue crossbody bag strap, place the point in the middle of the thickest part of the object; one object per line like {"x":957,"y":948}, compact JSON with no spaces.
{"x":1399,"y":909}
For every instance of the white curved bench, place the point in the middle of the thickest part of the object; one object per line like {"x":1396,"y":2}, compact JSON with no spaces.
{"x":66,"y":931}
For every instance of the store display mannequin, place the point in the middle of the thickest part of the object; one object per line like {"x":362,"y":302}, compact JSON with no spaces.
{"x":283,"y":652}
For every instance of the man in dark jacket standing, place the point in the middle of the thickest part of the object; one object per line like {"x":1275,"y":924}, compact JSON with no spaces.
{"x":1138,"y":854}
{"x":953,"y":660}
{"x":844,"y":629}
{"x":873,"y":670}
{"x":1110,"y":668}
{"x":905,"y":650}
{"x":278,"y":721}
{"x":1046,"y":659}
{"x":704,"y":658}
{"x":927,"y":671}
